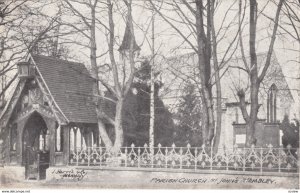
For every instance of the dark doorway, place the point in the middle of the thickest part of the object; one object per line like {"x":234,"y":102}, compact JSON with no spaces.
{"x":35,"y":147}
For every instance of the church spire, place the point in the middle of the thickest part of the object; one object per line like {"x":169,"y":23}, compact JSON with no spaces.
{"x":128,"y":36}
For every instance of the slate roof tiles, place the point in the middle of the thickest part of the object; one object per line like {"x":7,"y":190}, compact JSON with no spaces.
{"x":71,"y":87}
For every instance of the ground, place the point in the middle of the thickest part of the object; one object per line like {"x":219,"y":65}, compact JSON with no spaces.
{"x":95,"y":178}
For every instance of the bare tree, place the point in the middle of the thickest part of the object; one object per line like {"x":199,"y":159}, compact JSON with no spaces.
{"x":8,"y":9}
{"x":122,"y":71}
{"x":88,"y":31}
{"x":289,"y":24}
{"x":13,"y":14}
{"x":203,"y":38}
{"x":252,"y":70}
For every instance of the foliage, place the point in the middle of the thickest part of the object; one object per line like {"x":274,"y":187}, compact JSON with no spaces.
{"x":290,"y":132}
{"x":188,"y":129}
{"x":136,"y":112}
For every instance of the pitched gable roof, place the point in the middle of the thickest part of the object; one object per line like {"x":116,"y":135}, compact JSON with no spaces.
{"x":71,"y":87}
{"x":231,"y":80}
{"x":235,"y":78}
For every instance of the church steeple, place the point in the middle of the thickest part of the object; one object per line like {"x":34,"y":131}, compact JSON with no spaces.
{"x":125,"y":46}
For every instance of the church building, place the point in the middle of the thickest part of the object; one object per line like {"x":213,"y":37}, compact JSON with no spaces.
{"x":49,"y":114}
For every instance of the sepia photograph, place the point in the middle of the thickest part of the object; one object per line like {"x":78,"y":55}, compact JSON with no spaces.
{"x":149,"y":94}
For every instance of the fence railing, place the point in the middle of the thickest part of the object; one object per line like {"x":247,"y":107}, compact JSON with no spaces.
{"x":258,"y":159}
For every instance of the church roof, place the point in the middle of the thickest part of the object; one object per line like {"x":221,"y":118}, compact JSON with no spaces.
{"x":232,"y":79}
{"x":70,"y":86}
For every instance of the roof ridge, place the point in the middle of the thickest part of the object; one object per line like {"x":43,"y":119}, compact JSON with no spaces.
{"x":263,"y":53}
{"x":57,"y":59}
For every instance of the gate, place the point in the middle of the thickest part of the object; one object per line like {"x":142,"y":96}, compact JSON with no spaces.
{"x":36,"y":163}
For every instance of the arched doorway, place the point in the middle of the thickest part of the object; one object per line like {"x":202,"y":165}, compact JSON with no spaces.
{"x":35,"y":147}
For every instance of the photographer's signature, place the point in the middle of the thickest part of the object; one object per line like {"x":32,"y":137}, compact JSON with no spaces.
{"x":70,"y":174}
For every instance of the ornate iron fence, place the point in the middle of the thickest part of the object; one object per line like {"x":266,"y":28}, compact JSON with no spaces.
{"x":190,"y":158}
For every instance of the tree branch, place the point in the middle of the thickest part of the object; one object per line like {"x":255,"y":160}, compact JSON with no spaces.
{"x":273,"y":37}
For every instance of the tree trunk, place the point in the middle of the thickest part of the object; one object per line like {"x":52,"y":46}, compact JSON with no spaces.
{"x":102,"y":130}
{"x":255,"y":79}
{"x":96,"y":92}
{"x":211,"y":122}
{"x":254,"y":85}
{"x":218,"y":107}
{"x":204,"y":73}
{"x":217,"y":80}
{"x":204,"y":119}
{"x":250,"y":128}
{"x":250,"y":131}
{"x":119,"y":137}
{"x":219,"y":116}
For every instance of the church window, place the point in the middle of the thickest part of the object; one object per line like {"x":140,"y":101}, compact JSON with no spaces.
{"x":58,"y":139}
{"x":44,"y":140}
{"x":13,"y":137}
{"x":271,"y":104}
{"x":77,"y":141}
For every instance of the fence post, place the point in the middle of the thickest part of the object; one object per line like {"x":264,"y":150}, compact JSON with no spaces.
{"x":88,"y":155}
{"x":226,"y":156}
{"x":211,"y":157}
{"x":261,"y":159}
{"x":139,"y":153}
{"x":166,"y":157}
{"x":100,"y":155}
{"x":126,"y":152}
{"x":196,"y":158}
{"x":298,"y":160}
{"x":77,"y":156}
{"x":152,"y":152}
{"x":279,"y":160}
{"x":244,"y":159}
{"x":180,"y":152}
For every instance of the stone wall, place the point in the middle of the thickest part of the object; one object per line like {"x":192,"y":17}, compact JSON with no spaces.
{"x":265,"y":133}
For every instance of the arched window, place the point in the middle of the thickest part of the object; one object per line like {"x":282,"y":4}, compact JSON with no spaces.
{"x":77,"y":141}
{"x":13,"y":137}
{"x":271,"y":104}
{"x":44,"y":140}
{"x":81,"y":140}
{"x":58,"y":139}
{"x":72,"y":134}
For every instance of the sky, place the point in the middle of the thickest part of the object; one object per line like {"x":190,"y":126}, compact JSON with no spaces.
{"x":169,"y":44}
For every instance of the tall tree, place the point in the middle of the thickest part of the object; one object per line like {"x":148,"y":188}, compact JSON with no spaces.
{"x":18,"y":36}
{"x":290,"y":132}
{"x":188,"y":127}
{"x":122,"y":72}
{"x":201,"y":36}
{"x":252,"y":69}
{"x":136,"y":111}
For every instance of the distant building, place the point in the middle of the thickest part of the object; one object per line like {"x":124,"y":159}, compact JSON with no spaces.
{"x":275,"y":98}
